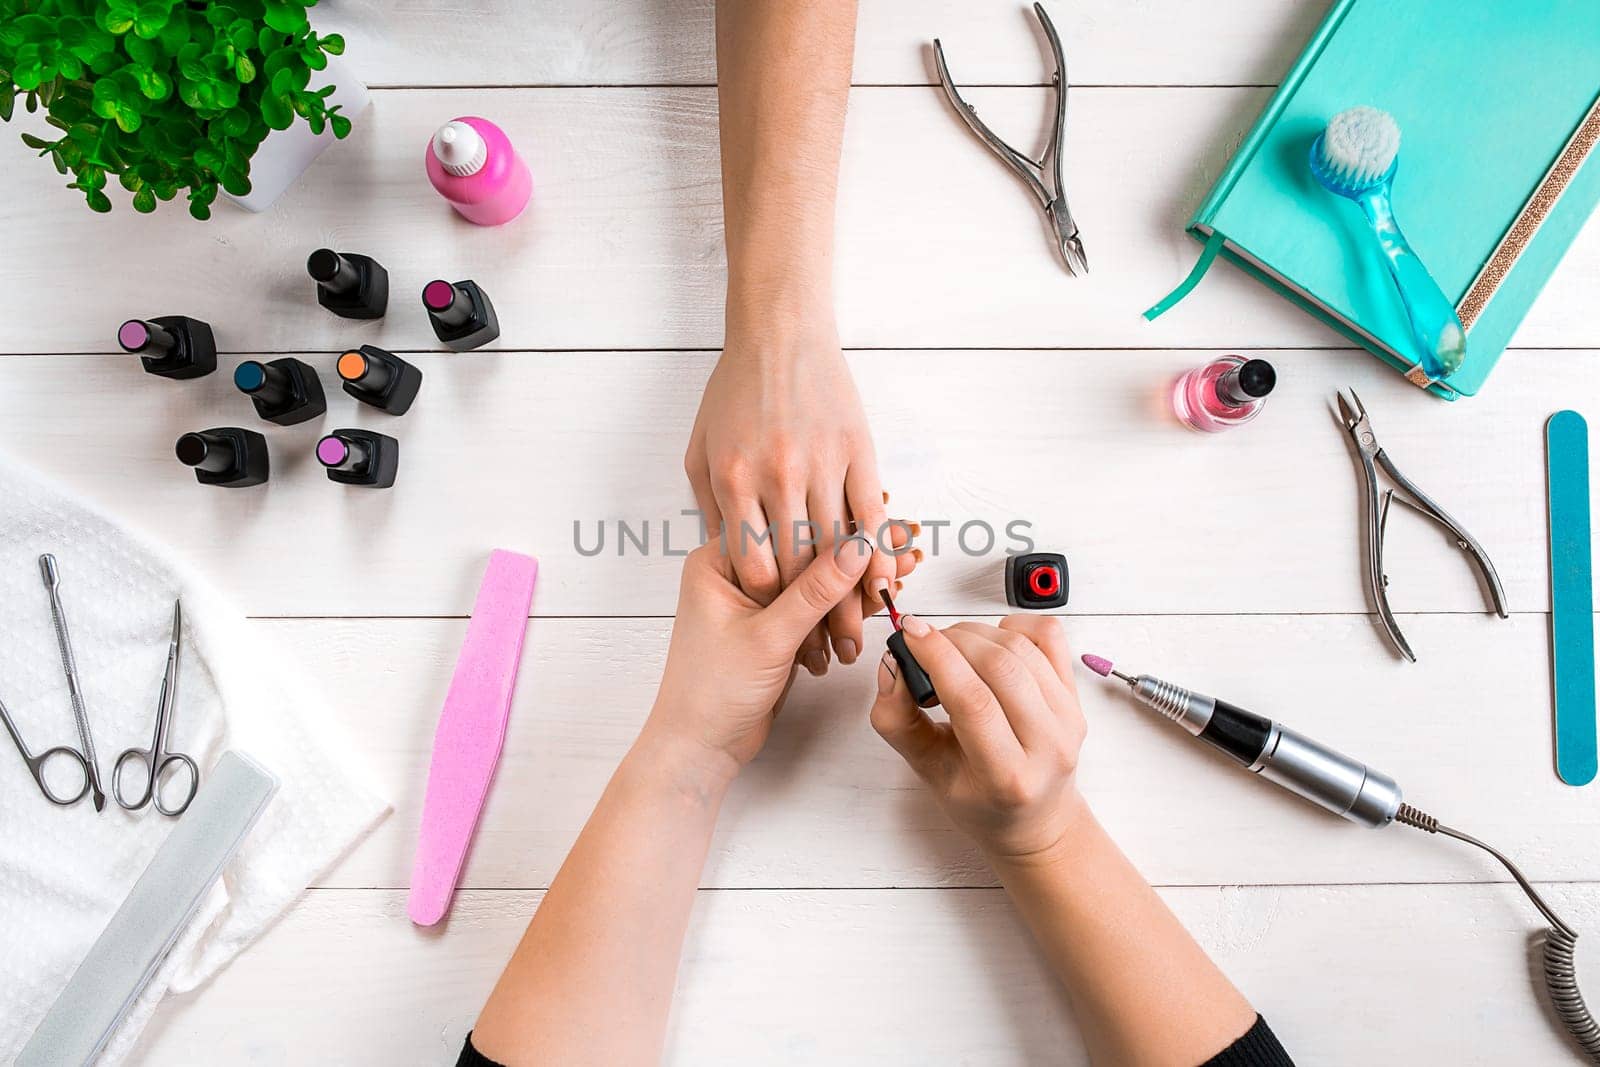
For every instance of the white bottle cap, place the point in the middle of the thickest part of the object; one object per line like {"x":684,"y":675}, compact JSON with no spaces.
{"x":460,"y":149}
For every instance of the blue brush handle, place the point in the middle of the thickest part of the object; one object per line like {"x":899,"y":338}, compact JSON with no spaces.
{"x":1440,"y":340}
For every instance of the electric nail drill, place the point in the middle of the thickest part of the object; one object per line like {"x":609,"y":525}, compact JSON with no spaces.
{"x":1349,"y":788}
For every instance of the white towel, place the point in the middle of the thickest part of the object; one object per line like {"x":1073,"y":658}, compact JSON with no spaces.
{"x":64,"y":871}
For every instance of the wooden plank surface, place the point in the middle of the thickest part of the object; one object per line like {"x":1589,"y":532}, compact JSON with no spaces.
{"x":1344,"y":974}
{"x":582,"y":42}
{"x":829,"y":805}
{"x":1153,"y":519}
{"x":939,"y":245}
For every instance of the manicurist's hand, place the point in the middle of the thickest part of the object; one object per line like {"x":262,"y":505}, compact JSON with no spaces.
{"x":781,"y":443}
{"x":1003,"y":766}
{"x":731,"y":659}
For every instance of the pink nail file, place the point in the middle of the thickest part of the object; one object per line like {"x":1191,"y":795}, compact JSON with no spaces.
{"x":472,"y":727}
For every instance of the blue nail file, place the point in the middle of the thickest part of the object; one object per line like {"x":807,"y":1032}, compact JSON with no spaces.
{"x":1571,"y":597}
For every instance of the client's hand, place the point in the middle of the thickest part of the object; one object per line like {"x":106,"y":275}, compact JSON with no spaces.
{"x":1003,"y":767}
{"x":731,"y":661}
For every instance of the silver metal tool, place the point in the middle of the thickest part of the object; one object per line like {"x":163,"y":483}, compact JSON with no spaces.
{"x":157,"y":760}
{"x":69,"y":664}
{"x":1372,"y":457}
{"x":1043,"y":176}
{"x":1329,"y":779}
{"x":1349,"y":788}
{"x":36,"y":764}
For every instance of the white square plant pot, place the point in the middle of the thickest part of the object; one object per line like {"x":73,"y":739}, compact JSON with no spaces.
{"x":285,"y":154}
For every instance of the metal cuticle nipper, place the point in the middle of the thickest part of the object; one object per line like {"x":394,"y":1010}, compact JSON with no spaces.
{"x":1051,"y":194}
{"x":1373,"y":457}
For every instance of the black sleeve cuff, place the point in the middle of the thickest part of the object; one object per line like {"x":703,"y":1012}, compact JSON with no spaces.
{"x":471,"y":1057}
{"x":1257,"y":1048}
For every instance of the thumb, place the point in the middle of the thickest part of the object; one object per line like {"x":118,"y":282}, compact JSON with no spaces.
{"x":827,"y":581}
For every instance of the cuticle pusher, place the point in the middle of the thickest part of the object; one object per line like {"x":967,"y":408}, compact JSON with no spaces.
{"x":69,"y":665}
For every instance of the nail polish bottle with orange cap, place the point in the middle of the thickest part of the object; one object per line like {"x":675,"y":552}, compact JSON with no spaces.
{"x":380,"y":378}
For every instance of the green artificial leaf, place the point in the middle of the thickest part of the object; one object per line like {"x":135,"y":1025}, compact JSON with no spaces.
{"x":176,"y":33}
{"x":318,"y":121}
{"x":236,"y":122}
{"x":282,"y":83}
{"x":275,"y":112}
{"x":331,"y":43}
{"x":244,"y":69}
{"x":144,"y":52}
{"x":98,"y":201}
{"x":8,"y":101}
{"x":152,"y":83}
{"x":58,"y":158}
{"x":37,"y":142}
{"x":314,"y":59}
{"x":285,"y":16}
{"x":242,"y":35}
{"x":144,"y":201}
{"x":220,"y":14}
{"x":150,"y":17}
{"x":67,"y":66}
{"x":210,"y":158}
{"x":235,"y":182}
{"x":115,"y":19}
{"x":35,"y":27}
{"x":340,"y":125}
{"x":28,"y":76}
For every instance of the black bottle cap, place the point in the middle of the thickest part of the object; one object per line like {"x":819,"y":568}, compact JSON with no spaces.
{"x":1256,"y":378}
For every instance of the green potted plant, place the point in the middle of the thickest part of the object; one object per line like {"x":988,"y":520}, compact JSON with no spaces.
{"x":167,"y":96}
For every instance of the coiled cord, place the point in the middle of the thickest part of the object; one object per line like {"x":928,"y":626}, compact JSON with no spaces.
{"x":1560,"y":943}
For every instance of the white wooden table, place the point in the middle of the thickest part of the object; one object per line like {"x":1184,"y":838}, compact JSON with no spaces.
{"x":842,"y":919}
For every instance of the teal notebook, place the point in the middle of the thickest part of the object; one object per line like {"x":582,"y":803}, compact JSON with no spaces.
{"x":1498,"y":104}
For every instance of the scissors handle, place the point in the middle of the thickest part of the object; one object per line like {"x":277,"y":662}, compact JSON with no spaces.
{"x":36,"y":764}
{"x":162,"y":777}
{"x":146,"y":763}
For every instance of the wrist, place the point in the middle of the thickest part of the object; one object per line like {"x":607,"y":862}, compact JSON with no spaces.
{"x":769,"y":311}
{"x":1066,"y":844}
{"x":688,"y":764}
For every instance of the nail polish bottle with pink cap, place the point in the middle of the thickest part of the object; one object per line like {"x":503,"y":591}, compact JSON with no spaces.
{"x":472,"y":164}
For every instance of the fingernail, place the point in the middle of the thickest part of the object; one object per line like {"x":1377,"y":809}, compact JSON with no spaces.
{"x":853,"y":554}
{"x":878,"y":585}
{"x":816,"y":662}
{"x":914,"y":626}
{"x":847,"y":650}
{"x":916,"y":528}
{"x":886,"y":673}
{"x":916,"y":554}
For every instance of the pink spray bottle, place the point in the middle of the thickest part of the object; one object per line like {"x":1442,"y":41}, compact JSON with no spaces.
{"x":472,"y":164}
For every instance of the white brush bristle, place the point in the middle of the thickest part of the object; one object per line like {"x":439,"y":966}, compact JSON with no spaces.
{"x":1360,"y":144}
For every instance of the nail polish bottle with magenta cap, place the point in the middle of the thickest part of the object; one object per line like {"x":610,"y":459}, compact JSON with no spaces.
{"x":380,"y":378}
{"x":461,"y":314}
{"x":171,"y":346}
{"x":360,"y":457}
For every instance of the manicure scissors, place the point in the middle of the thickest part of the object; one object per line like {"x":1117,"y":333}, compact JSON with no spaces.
{"x":1372,"y":457}
{"x":156,"y":761}
{"x":1052,"y":196}
{"x":36,"y":764}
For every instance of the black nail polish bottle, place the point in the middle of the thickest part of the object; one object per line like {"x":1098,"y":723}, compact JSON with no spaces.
{"x":461,"y":314}
{"x":227,"y":456}
{"x":382,"y":379}
{"x":173,"y":346}
{"x":1036,"y":580}
{"x":918,"y":684}
{"x":285,"y":391}
{"x":360,"y":457}
{"x":348,"y":284}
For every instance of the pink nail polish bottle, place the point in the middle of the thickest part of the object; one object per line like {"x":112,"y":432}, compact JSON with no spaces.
{"x":472,"y":164}
{"x":1223,"y":393}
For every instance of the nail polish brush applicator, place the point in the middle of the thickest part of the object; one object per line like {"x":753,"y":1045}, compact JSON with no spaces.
{"x":917,"y":680}
{"x":1354,"y":791}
